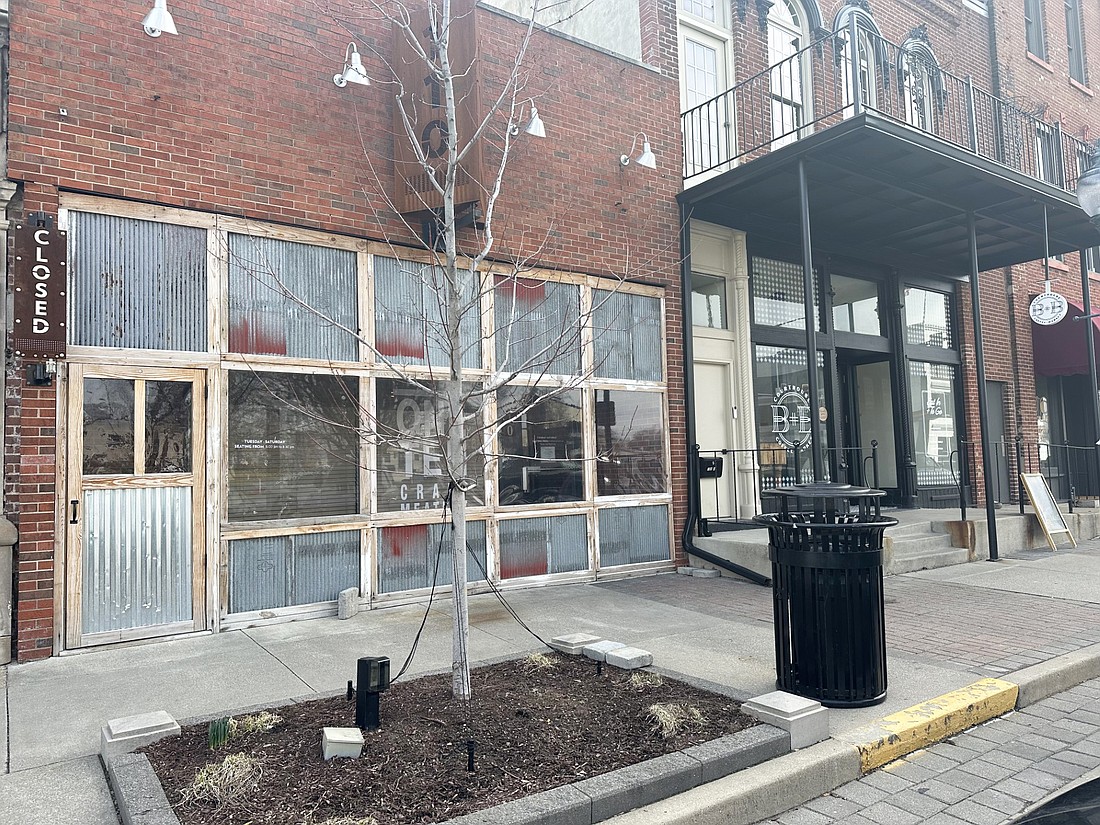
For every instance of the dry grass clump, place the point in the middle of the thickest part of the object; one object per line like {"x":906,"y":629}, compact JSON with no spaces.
{"x":256,"y":723}
{"x":539,"y":661}
{"x":644,"y":680}
{"x":668,"y":720}
{"x":223,"y":783}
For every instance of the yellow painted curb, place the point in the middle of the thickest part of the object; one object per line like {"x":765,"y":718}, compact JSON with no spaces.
{"x":908,"y":730}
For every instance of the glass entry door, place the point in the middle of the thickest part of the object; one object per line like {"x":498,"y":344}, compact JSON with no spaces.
{"x":135,"y":508}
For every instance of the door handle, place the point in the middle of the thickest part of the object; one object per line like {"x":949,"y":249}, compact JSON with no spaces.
{"x":75,"y":503}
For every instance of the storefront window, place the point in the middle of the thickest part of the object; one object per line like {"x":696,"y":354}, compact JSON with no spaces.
{"x":630,"y":443}
{"x":932,"y":401}
{"x":291,"y":299}
{"x":293,"y":445}
{"x":630,"y":535}
{"x":785,"y":414}
{"x":281,"y":571}
{"x":541,"y":446}
{"x":538,"y":546}
{"x":778,"y":296}
{"x":415,"y":555}
{"x":411,"y":472}
{"x":408,"y":325}
{"x":537,"y":326}
{"x":708,"y":301}
{"x":108,"y":426}
{"x":928,"y":318}
{"x":855,"y":305}
{"x":627,"y":337}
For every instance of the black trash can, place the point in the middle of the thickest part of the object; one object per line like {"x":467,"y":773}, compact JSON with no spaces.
{"x":825,"y":544}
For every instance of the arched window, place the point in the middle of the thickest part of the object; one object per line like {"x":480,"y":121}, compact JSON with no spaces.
{"x":787,"y":37}
{"x":870,"y":53}
{"x":920,"y":80}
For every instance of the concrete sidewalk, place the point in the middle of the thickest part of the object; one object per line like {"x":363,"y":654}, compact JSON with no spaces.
{"x":946,"y":628}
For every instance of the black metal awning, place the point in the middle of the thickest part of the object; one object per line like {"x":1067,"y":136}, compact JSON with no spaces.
{"x":882,"y":191}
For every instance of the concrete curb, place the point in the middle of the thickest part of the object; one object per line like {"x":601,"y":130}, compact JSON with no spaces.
{"x":771,"y":788}
{"x":138,"y":792}
{"x":916,"y":727}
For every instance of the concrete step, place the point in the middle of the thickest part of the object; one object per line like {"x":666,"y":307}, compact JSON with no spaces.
{"x":920,"y":552}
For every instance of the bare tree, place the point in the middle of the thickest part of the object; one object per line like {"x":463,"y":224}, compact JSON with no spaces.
{"x":538,"y":324}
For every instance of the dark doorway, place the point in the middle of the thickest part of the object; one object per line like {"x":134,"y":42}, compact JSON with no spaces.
{"x":1002,"y":452}
{"x":866,"y":406}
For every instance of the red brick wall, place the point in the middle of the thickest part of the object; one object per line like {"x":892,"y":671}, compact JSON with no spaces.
{"x":239,"y":115}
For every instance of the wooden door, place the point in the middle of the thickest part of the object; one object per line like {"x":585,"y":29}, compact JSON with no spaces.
{"x":135,"y":508}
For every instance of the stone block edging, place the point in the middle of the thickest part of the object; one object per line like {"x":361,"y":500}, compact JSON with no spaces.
{"x":141,"y":799}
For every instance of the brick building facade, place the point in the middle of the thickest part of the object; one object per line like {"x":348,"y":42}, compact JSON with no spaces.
{"x":204,"y":181}
{"x":186,"y":169}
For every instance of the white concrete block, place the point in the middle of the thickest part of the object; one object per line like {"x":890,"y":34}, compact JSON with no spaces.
{"x":128,"y":733}
{"x":598,"y":650}
{"x":347,"y":603}
{"x":347,"y":742}
{"x":573,"y":643}
{"x":804,"y":719}
{"x":629,"y":658}
{"x":686,"y":570}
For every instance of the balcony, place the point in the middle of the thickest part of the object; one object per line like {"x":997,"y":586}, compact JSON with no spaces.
{"x":820,"y":86}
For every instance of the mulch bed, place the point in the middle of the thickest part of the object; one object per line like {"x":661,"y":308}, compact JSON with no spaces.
{"x":535,"y":728}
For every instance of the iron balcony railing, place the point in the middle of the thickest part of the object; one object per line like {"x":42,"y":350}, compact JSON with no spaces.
{"x":820,"y":85}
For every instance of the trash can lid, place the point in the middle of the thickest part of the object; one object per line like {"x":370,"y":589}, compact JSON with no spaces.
{"x":824,"y":489}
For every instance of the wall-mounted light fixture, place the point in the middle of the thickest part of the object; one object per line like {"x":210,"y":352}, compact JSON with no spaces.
{"x":534,"y":126}
{"x":353,"y":69}
{"x":159,"y":20}
{"x":646,"y":158}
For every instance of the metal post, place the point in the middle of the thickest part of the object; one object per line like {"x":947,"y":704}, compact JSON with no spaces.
{"x":811,"y":326}
{"x":971,"y":114}
{"x":1090,"y":348}
{"x":983,"y":402}
{"x":1019,"y":469}
{"x":853,"y":52}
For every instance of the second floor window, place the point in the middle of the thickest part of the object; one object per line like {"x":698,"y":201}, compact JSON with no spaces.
{"x":1033,"y":26}
{"x":1075,"y":43}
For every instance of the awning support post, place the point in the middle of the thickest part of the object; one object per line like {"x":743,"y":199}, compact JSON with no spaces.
{"x":983,"y":401}
{"x":1094,"y":391}
{"x":811,"y":326}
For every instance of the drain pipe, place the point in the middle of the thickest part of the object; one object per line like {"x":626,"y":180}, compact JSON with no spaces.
{"x":689,"y":415}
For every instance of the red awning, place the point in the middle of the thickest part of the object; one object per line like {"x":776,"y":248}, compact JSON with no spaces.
{"x":1059,"y":349}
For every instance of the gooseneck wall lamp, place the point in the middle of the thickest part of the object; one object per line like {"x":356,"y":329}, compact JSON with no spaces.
{"x":159,"y":20}
{"x":353,"y":69}
{"x":534,"y":126}
{"x":646,"y":158}
{"x":1088,"y":190}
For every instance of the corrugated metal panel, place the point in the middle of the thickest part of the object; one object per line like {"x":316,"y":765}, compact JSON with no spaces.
{"x":627,"y":334}
{"x":136,"y":558}
{"x":279,"y":571}
{"x":629,"y":535}
{"x":289,"y":298}
{"x":536,"y":327}
{"x":407,"y":555}
{"x":136,"y":284}
{"x":536,"y":546}
{"x":408,"y":317}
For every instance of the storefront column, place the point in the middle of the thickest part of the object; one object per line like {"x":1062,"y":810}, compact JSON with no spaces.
{"x":983,"y":403}
{"x":903,"y":426}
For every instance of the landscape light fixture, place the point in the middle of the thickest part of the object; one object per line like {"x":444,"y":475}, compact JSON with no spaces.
{"x":534,"y":126}
{"x":159,"y":20}
{"x":646,"y":158}
{"x":353,"y":69}
{"x":372,"y":676}
{"x":1088,"y":190}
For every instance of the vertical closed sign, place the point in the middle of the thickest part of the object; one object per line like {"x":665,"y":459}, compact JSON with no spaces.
{"x":40,"y":291}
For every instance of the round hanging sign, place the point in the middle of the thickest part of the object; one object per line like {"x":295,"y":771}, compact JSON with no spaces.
{"x":1048,"y":308}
